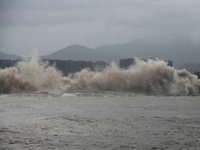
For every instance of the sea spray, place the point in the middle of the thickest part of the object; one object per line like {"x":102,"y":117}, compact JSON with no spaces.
{"x":152,"y":77}
{"x":31,"y":75}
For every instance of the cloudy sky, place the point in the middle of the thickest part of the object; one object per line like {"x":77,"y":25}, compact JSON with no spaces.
{"x":49,"y":25}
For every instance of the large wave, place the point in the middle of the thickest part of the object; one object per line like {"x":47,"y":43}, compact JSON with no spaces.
{"x":152,"y":77}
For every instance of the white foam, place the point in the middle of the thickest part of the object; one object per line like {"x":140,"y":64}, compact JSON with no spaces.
{"x":146,"y":77}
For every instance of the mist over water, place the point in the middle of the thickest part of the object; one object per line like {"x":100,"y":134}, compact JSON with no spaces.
{"x":150,"y":78}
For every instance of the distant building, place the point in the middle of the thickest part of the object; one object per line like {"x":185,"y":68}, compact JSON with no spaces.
{"x":70,"y":66}
{"x":99,"y":65}
{"x":169,"y":63}
{"x":126,"y":63}
{"x":67,"y":67}
{"x":7,"y":63}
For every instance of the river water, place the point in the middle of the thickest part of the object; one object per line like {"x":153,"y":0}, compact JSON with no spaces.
{"x":105,"y":121}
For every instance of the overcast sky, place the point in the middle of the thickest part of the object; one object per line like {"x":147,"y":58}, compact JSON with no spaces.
{"x":50,"y":25}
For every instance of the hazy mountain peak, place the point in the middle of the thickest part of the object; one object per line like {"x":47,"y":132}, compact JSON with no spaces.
{"x":77,"y":46}
{"x":9,"y":56}
{"x":73,"y":52}
{"x":179,"y":52}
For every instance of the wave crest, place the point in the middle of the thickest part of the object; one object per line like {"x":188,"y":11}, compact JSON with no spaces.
{"x":146,"y":77}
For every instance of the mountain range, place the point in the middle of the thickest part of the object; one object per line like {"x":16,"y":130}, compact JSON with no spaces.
{"x":183,"y":53}
{"x":9,"y":56}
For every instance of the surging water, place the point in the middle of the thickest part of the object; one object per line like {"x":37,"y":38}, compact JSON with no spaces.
{"x":151,"y":77}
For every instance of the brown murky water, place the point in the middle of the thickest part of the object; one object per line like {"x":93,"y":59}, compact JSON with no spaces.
{"x":99,"y":122}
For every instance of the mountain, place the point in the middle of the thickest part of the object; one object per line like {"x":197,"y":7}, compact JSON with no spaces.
{"x":137,"y":48}
{"x":9,"y":56}
{"x":104,"y":53}
{"x":180,"y":51}
{"x":75,"y":52}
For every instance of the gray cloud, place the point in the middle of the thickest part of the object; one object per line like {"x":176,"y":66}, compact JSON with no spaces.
{"x":53,"y":24}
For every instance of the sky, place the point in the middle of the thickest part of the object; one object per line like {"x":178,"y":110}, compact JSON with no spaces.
{"x":49,"y":25}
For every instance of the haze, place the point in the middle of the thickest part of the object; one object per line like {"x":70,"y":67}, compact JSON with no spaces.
{"x":49,"y":25}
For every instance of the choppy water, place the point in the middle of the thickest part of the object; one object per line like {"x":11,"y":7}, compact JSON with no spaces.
{"x":99,"y":121}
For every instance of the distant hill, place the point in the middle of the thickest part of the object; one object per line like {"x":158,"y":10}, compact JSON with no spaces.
{"x":75,"y":52}
{"x":137,"y":48}
{"x":9,"y":56}
{"x":179,"y":51}
{"x":104,"y":53}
